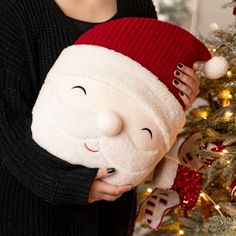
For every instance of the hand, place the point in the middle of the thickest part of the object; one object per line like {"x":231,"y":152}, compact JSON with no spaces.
{"x":188,"y":83}
{"x":104,"y":191}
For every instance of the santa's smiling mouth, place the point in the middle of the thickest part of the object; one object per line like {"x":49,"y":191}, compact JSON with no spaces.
{"x":89,"y":149}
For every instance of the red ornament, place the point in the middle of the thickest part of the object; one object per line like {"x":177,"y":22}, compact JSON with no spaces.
{"x":215,"y":146}
{"x":219,"y":146}
{"x":187,"y":184}
{"x":234,"y":11}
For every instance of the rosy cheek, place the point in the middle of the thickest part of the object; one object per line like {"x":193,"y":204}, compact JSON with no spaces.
{"x":143,"y":142}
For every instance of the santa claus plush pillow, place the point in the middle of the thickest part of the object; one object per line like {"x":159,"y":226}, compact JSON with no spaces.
{"x":109,"y":101}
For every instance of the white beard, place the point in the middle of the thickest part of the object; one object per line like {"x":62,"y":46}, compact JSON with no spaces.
{"x":132,"y":165}
{"x":63,"y":132}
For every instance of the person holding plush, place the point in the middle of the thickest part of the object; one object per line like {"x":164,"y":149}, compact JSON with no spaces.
{"x":109,"y":101}
{"x":41,"y":194}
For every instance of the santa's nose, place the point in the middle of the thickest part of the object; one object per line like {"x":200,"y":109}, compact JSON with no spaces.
{"x":109,"y":123}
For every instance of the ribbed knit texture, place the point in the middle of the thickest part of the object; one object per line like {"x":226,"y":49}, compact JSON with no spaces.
{"x":158,"y":46}
{"x":37,"y":190}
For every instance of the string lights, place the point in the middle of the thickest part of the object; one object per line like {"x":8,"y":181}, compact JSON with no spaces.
{"x":216,"y":206}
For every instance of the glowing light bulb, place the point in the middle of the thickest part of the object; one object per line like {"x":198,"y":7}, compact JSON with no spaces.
{"x":229,"y":74}
{"x":181,"y":232}
{"x":204,"y":114}
{"x":213,"y":50}
{"x":202,"y":194}
{"x":149,"y":190}
{"x":228,"y":162}
{"x":217,"y":207}
{"x":227,"y":115}
{"x":225,"y":151}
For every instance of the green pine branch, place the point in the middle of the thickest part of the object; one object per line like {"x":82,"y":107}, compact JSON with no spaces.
{"x":221,"y":224}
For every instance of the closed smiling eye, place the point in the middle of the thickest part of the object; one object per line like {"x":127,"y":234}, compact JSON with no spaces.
{"x":148,"y":130}
{"x":80,"y":87}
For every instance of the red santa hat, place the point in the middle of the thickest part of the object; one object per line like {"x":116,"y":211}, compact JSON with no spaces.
{"x":137,"y":56}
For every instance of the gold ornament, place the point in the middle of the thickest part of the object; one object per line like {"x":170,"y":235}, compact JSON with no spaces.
{"x":226,"y":97}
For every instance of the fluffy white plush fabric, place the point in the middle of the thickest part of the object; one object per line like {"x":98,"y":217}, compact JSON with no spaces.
{"x":64,"y":131}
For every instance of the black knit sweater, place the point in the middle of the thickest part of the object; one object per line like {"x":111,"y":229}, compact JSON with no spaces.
{"x":40,"y":194}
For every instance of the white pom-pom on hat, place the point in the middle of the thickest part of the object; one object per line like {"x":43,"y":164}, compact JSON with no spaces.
{"x":216,"y":67}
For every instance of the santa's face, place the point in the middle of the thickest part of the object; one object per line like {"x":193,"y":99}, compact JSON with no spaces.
{"x":101,"y":127}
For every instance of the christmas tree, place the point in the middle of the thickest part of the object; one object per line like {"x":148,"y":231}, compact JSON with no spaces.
{"x":210,"y":147}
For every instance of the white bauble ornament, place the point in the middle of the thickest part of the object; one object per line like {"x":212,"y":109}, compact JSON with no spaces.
{"x":215,"y":67}
{"x":213,"y":27}
{"x":109,"y":123}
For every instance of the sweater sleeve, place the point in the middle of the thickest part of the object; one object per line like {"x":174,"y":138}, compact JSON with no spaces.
{"x":144,"y":8}
{"x":50,"y":178}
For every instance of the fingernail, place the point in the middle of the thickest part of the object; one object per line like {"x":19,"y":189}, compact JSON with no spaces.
{"x":181,"y":93}
{"x":175,"y":81}
{"x":177,"y":73}
{"x":180,"y":65}
{"x":111,"y":170}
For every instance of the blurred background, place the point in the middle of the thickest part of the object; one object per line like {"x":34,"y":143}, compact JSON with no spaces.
{"x":195,"y":16}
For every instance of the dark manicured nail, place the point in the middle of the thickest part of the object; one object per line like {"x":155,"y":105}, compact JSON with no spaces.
{"x":181,"y":93}
{"x":177,"y":73}
{"x":111,"y":170}
{"x":180,"y":65}
{"x":175,"y":81}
